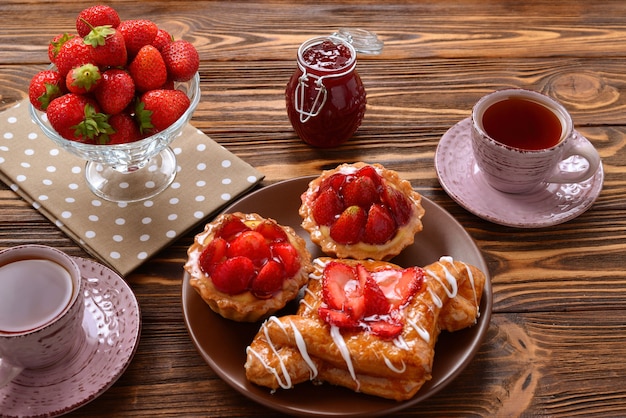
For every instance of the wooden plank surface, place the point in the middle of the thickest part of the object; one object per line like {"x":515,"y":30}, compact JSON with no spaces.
{"x":556,"y":343}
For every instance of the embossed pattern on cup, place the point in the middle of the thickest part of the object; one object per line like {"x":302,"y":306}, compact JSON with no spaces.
{"x":515,"y":170}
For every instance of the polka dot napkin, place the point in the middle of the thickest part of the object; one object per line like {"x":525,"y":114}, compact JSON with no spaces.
{"x":122,"y":236}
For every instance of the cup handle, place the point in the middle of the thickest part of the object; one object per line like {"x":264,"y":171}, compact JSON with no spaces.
{"x":8,"y":372}
{"x":576,"y":171}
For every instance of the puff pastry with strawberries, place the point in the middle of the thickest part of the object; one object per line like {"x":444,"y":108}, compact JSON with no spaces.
{"x":361,"y":211}
{"x":370,"y":326}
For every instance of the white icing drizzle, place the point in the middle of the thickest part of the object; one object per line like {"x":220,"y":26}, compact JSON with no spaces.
{"x":287,"y":384}
{"x":394,"y":368}
{"x":420,"y":330}
{"x":335,"y":333}
{"x":400,"y":342}
{"x":436,"y":299}
{"x":453,"y":290}
{"x":303,"y":351}
{"x":471,"y":279}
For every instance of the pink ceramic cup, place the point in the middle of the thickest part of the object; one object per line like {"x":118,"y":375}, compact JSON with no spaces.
{"x":516,"y":169}
{"x":41,"y":309}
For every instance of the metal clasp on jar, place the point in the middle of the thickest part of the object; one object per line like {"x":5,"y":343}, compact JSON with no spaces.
{"x":300,"y":95}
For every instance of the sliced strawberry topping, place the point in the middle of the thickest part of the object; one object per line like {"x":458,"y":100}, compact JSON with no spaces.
{"x":287,"y":255}
{"x":327,"y":207}
{"x":214,"y":253}
{"x":399,"y":205}
{"x":271,"y":231}
{"x":231,"y":227}
{"x":356,"y":298}
{"x":348,"y":229}
{"x":338,"y":318}
{"x":361,"y":191}
{"x":233,"y":276}
{"x":269,"y":280}
{"x":380,"y":226}
{"x":265,"y":250}
{"x":252,"y":245}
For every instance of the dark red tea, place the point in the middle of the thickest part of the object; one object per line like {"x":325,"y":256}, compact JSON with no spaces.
{"x":522,"y":123}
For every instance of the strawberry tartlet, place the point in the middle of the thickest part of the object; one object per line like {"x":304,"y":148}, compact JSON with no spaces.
{"x":361,"y":211}
{"x":246,"y":267}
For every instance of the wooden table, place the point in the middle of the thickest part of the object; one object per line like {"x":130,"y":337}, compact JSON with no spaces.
{"x":556,"y":343}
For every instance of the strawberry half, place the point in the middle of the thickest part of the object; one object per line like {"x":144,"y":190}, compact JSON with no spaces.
{"x":348,"y":228}
{"x":327,"y":207}
{"x":361,"y":191}
{"x":380,"y":226}
{"x":234,"y":275}
{"x":252,"y":245}
{"x":269,"y":279}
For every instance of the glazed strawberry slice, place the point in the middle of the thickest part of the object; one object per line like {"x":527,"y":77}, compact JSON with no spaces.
{"x":398,"y":204}
{"x":348,"y":228}
{"x":250,"y":244}
{"x":231,"y":227}
{"x":380,"y":226}
{"x":376,"y":302}
{"x":342,"y":290}
{"x":387,"y":330}
{"x":399,"y":286}
{"x":369,"y":171}
{"x":361,"y":191}
{"x":271,"y":231}
{"x":213,"y":254}
{"x":287,"y":255}
{"x":269,"y":280}
{"x":327,"y":207}
{"x":233,"y":276}
{"x":337,"y":318}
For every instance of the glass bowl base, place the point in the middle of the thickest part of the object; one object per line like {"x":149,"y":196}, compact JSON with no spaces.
{"x":135,"y":183}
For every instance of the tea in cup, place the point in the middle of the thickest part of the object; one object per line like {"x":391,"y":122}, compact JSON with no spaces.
{"x":520,"y":137}
{"x":41,"y":309}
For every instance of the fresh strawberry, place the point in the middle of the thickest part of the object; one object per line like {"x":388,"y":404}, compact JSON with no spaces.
{"x":93,"y":16}
{"x":271,"y":231}
{"x":380,"y":226}
{"x":287,"y":255}
{"x":161,"y":39}
{"x":269,"y":279}
{"x":124,"y":128}
{"x":55,"y":45}
{"x":109,"y":48}
{"x":398,"y":204}
{"x":348,"y":228}
{"x":214,"y":253}
{"x":361,"y":191}
{"x":76,"y":117}
{"x":148,"y":69}
{"x":137,"y":33}
{"x":116,"y":91}
{"x":327,"y":207}
{"x":83,"y":79}
{"x":73,"y":53}
{"x":181,"y":59}
{"x":231,"y":227}
{"x":252,"y":245}
{"x":159,"y":109}
{"x":44,"y":87}
{"x":234,"y":275}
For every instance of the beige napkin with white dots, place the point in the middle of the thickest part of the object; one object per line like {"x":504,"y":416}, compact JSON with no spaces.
{"x":123,"y":236}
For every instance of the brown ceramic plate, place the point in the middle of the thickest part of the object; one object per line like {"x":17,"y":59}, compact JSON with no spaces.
{"x":222,"y":343}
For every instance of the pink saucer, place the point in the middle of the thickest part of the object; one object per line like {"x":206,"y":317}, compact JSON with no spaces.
{"x":550,"y":205}
{"x":112,"y":325}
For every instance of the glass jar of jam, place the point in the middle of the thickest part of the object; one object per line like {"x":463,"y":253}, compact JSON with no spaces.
{"x":325,"y":96}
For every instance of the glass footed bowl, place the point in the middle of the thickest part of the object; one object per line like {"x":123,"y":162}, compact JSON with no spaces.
{"x":129,"y":172}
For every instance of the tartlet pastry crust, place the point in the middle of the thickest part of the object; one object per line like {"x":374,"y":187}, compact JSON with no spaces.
{"x":320,"y":234}
{"x":244,"y":307}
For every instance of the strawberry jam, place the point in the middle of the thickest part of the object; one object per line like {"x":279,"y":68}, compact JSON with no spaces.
{"x":325,"y":96}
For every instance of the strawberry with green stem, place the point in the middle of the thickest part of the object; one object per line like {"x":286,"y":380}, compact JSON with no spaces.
{"x":83,"y":79}
{"x":77,"y":117}
{"x":44,"y":87}
{"x":109,"y":48}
